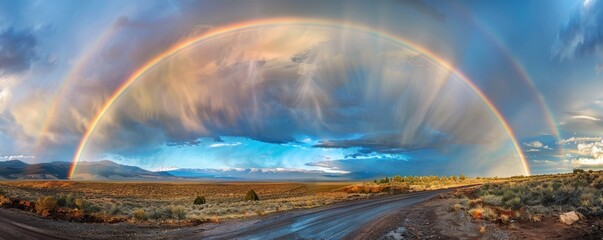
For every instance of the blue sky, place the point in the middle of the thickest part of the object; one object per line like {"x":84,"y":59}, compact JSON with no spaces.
{"x":326,"y":98}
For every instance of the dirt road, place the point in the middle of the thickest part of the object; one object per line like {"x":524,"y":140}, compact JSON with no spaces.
{"x":331,"y":222}
{"x":337,"y":221}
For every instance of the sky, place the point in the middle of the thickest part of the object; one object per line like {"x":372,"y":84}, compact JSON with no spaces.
{"x":482,"y":88}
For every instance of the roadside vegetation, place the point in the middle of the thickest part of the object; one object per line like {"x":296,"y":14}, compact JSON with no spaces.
{"x":401,"y":184}
{"x":566,"y":198}
{"x":504,"y":201}
{"x":165,"y":203}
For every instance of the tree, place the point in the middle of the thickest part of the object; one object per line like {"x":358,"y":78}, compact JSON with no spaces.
{"x":251,"y":196}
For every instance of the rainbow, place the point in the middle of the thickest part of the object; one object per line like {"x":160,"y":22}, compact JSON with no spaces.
{"x":523,"y":74}
{"x":71,"y":76}
{"x":517,"y":68}
{"x":289,"y":21}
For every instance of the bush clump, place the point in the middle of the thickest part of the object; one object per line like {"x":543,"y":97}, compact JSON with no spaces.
{"x":46,"y":206}
{"x":4,"y":201}
{"x":66,"y":201}
{"x":178,"y":213}
{"x":139,"y":214}
{"x":251,"y":196}
{"x":200,"y":200}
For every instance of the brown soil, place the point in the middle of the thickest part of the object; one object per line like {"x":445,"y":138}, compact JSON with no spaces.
{"x":433,"y":219}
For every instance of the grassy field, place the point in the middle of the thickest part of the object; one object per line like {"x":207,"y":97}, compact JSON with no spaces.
{"x":167,"y":202}
{"x":173,"y":202}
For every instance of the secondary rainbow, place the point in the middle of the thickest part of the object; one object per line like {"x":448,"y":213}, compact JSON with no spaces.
{"x":289,"y":21}
{"x":523,"y":74}
{"x":518,"y":68}
{"x":71,"y":76}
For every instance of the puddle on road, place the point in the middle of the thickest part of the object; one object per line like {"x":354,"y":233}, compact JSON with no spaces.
{"x":395,"y":234}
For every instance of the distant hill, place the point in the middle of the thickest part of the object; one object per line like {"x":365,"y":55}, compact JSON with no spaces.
{"x":16,"y":169}
{"x":278,"y":174}
{"x":103,"y":170}
{"x":108,"y":170}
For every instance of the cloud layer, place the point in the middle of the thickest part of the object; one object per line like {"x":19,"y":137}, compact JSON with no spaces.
{"x":347,"y":89}
{"x":582,"y":34}
{"x":17,"y":51}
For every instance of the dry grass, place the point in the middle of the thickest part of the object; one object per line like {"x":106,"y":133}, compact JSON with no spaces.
{"x":170,"y":203}
{"x":527,"y":199}
{"x":173,"y":202}
{"x":456,"y":207}
{"x":476,"y":213}
{"x":482,"y":229}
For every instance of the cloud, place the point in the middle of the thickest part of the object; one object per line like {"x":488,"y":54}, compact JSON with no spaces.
{"x":265,"y":90}
{"x":584,"y":117}
{"x":588,"y":162}
{"x":17,"y":157}
{"x":534,"y":144}
{"x":582,"y":34}
{"x":5,"y":96}
{"x":269,"y":85}
{"x":17,"y":51}
{"x":576,"y":140}
{"x":221,"y":144}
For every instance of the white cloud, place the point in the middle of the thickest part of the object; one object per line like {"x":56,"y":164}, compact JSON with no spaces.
{"x":161,"y":169}
{"x":5,"y":96}
{"x":576,"y":140}
{"x":594,"y":149}
{"x":588,"y":162}
{"x":585,"y":117}
{"x":534,"y":144}
{"x":216,"y":145}
{"x":15,"y":157}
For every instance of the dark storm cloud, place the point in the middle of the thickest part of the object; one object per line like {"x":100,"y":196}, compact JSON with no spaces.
{"x":17,"y":51}
{"x":582,"y":34}
{"x":381,"y":143}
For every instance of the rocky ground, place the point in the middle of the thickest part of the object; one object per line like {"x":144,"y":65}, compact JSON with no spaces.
{"x":434,"y":219}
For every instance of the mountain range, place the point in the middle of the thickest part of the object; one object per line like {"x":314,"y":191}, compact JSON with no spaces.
{"x":273,"y":174}
{"x":102,"y":170}
{"x":108,"y":170}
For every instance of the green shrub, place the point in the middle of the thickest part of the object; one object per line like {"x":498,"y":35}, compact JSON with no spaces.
{"x":46,"y":206}
{"x":492,"y":199}
{"x":85,"y":206}
{"x":114,"y":209}
{"x":161,"y":213}
{"x":200,"y":200}
{"x":66,"y":201}
{"x":514,"y":203}
{"x":508,"y":195}
{"x":251,"y":196}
